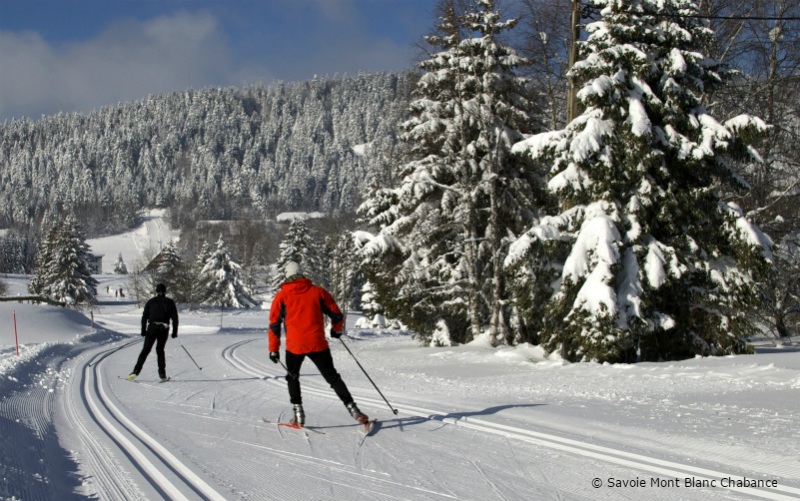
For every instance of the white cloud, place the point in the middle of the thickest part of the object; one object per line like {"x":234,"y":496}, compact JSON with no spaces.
{"x":129,"y":60}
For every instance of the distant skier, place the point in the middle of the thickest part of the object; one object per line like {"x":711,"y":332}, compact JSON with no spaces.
{"x":301,"y":304}
{"x":157,"y":314}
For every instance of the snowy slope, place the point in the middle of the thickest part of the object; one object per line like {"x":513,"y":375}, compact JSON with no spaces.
{"x":137,"y":246}
{"x":473,"y":422}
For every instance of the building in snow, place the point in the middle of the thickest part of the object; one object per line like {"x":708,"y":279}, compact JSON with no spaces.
{"x":95,"y":262}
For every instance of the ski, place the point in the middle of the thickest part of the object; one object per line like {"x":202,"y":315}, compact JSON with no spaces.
{"x":143,"y":380}
{"x":293,"y":426}
{"x":301,"y":428}
{"x":368,"y":426}
{"x":366,"y":429}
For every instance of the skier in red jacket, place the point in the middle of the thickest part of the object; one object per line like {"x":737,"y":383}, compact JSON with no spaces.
{"x":299,"y":304}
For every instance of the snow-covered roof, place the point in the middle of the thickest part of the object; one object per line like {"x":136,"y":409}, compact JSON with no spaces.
{"x":291,"y":216}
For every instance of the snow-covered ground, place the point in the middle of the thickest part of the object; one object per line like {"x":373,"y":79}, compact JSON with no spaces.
{"x":138,"y":246}
{"x":472,"y":422}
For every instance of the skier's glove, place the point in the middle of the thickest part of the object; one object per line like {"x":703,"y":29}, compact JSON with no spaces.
{"x":174,"y":334}
{"x":335,"y":334}
{"x":274,"y":356}
{"x":144,"y":333}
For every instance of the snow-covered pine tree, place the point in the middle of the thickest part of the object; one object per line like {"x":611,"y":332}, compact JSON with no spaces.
{"x":198,"y":285}
{"x":43,"y":258}
{"x":374,"y":312}
{"x":325,"y":255}
{"x":441,"y":241}
{"x":169,"y":268}
{"x":780,"y":293}
{"x":499,"y":114}
{"x":346,"y":278}
{"x":62,"y":271}
{"x":18,"y":250}
{"x":301,"y":246}
{"x":119,"y":266}
{"x":221,"y":278}
{"x":412,"y":262}
{"x":168,"y":264}
{"x":656,"y":265}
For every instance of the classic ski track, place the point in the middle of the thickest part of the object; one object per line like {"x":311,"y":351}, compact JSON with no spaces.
{"x":118,"y":427}
{"x":601,"y":453}
{"x":110,"y":480}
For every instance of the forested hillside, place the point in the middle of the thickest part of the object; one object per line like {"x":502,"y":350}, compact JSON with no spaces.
{"x":211,"y":153}
{"x":658,"y":219}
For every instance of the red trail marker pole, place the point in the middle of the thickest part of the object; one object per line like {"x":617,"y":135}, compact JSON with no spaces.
{"x":16,"y":339}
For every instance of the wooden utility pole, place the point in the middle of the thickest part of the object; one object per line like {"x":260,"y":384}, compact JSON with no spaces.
{"x":572,"y":98}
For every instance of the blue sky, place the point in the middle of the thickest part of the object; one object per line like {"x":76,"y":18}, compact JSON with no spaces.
{"x":80,"y":55}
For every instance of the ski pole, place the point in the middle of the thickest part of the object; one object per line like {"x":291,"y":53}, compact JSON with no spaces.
{"x":16,"y":338}
{"x":370,"y":379}
{"x":187,"y":352}
{"x":287,"y":369}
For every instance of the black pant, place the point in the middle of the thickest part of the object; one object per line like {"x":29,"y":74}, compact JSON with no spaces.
{"x":324,"y":362}
{"x":158,"y":336}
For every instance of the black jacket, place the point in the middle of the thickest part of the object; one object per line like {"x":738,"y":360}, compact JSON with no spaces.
{"x":160,"y":309}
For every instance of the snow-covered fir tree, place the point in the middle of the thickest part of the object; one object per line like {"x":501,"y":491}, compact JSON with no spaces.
{"x":301,"y":246}
{"x":167,"y":263}
{"x":18,"y":252}
{"x":197,"y":286}
{"x":62,"y":269}
{"x":653,"y":264}
{"x":780,"y":293}
{"x":45,"y":256}
{"x":370,"y":307}
{"x":441,"y":335}
{"x":326,"y":258}
{"x":346,"y":278}
{"x":374,"y":313}
{"x":221,"y":278}
{"x":369,"y":303}
{"x":119,"y":266}
{"x":442,"y":235}
{"x":168,"y":268}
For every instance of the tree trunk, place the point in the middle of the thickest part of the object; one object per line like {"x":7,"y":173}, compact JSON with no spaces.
{"x":472,"y":267}
{"x":496,"y":331}
{"x":780,"y":326}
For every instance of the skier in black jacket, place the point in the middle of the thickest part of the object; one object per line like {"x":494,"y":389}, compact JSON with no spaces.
{"x":158,"y":311}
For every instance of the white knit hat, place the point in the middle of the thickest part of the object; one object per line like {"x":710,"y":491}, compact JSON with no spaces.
{"x":292,"y":269}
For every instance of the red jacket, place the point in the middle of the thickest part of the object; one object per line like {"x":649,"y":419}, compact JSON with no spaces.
{"x":300,"y":304}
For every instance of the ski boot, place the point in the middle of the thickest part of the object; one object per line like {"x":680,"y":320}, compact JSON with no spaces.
{"x":132,"y":376}
{"x":163,"y":377}
{"x":299,"y":418}
{"x":357,"y":414}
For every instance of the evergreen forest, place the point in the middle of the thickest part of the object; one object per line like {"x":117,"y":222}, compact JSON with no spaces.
{"x":640,"y":202}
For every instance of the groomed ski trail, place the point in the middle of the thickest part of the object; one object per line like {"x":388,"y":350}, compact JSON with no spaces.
{"x":657,"y":466}
{"x":166,"y":473}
